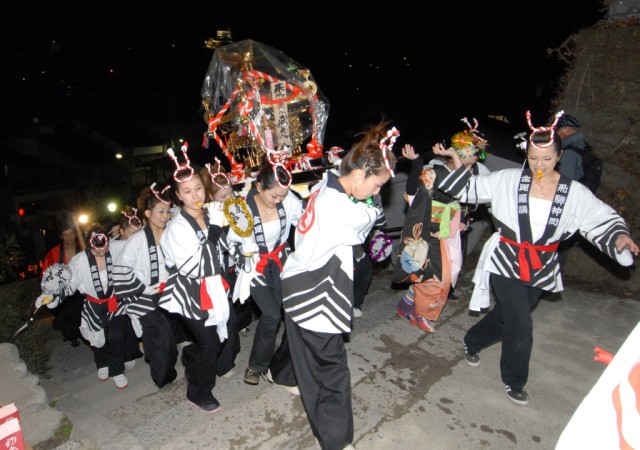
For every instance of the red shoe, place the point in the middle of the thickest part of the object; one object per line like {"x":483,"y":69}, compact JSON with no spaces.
{"x":425,"y":324}
{"x":409,"y":317}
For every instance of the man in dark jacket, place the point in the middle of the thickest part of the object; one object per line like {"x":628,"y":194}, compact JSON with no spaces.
{"x":571,"y":161}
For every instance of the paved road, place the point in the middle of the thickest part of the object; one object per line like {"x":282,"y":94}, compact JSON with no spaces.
{"x":411,"y":390}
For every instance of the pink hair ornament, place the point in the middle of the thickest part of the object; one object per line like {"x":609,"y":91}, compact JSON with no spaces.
{"x":550,"y":129}
{"x":161,"y":193}
{"x":98,"y":241}
{"x":179,"y":167}
{"x":214,"y":175}
{"x":386,"y":144}
{"x":272,"y":157}
{"x":474,"y":130}
{"x":134,"y":220}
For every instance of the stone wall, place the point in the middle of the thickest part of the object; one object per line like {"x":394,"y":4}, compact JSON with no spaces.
{"x":602,"y":88}
{"x":39,"y":421}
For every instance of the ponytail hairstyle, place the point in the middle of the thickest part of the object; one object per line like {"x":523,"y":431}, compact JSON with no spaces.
{"x":175,"y":185}
{"x":96,"y":237}
{"x":372,"y":152}
{"x":150,"y":196}
{"x":271,"y":175}
{"x":214,"y":179}
{"x":545,"y":137}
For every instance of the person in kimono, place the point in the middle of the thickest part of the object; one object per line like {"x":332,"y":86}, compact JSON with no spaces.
{"x":534,"y":209}
{"x":104,"y":320}
{"x":317,"y":282}
{"x":140,"y":276}
{"x":430,"y":252}
{"x":195,"y":289}
{"x":274,"y":209}
{"x":363,"y":264}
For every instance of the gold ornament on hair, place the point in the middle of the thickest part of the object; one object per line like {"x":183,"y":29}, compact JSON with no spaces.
{"x":240,"y":205}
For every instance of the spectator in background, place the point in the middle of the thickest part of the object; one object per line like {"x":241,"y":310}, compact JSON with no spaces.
{"x":570,"y":166}
{"x":67,"y":313}
{"x":571,"y":161}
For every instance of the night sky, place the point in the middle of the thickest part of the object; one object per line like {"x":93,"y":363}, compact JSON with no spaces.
{"x":422,"y":68}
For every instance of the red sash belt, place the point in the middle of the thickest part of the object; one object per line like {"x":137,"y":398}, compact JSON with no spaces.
{"x":536,"y":264}
{"x":205,"y":299}
{"x":112,"y":302}
{"x":265,"y":257}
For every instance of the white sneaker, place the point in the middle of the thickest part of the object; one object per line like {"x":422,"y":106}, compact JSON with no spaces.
{"x":129,"y":365}
{"x":357,"y":312}
{"x":268,"y":376}
{"x":229,"y":374}
{"x":120,"y":381}
{"x":292,"y":389}
{"x":103,"y":373}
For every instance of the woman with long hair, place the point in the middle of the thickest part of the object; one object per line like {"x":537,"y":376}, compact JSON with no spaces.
{"x":195,"y":289}
{"x":274,"y":209}
{"x":140,"y":276}
{"x":317,"y":282}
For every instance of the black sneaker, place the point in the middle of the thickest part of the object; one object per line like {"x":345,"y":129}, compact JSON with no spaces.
{"x":518,"y":396}
{"x":251,"y":377}
{"x":209,"y":406}
{"x":473,"y":359}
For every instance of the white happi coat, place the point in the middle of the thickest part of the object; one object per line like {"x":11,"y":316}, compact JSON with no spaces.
{"x":317,"y":278}
{"x":193,"y":260}
{"x":92,"y":319}
{"x":248,"y":276}
{"x":574,"y":208}
{"x":132,"y":277}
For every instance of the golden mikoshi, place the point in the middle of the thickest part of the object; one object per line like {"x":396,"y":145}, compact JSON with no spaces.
{"x":239,"y":206}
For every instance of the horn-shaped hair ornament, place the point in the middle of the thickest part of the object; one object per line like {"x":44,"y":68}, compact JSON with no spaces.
{"x":550,"y":129}
{"x":272,"y":157}
{"x":98,"y":241}
{"x":479,"y":142}
{"x":160,"y":194}
{"x":227,"y":183}
{"x":134,"y":220}
{"x":386,"y":144}
{"x":179,"y":167}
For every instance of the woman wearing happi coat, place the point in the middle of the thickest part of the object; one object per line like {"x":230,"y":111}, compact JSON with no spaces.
{"x":104,"y":319}
{"x":218,"y":190}
{"x":274,"y":209}
{"x":317,"y":282}
{"x":533,"y":209}
{"x":196,"y":289}
{"x":140,"y":276}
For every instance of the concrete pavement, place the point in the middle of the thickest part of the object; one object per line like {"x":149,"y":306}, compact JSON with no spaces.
{"x":411,"y":390}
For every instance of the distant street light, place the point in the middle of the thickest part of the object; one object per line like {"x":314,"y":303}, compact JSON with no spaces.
{"x":111,"y":207}
{"x":119,"y":155}
{"x":83,"y":218}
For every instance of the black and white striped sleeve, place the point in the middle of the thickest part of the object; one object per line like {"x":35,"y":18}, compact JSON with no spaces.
{"x":455,"y":183}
